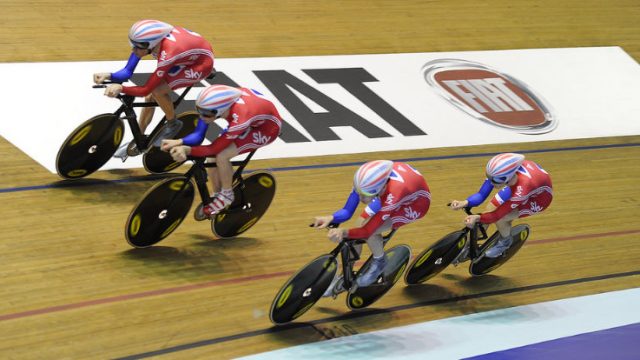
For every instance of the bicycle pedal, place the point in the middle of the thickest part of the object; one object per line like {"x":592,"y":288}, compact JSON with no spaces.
{"x":123,"y":158}
{"x":380,"y":283}
{"x":198,"y":214}
{"x":460,"y":258}
{"x":132,"y":149}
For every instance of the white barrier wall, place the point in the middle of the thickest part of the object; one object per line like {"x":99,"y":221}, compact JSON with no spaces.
{"x":363,"y":103}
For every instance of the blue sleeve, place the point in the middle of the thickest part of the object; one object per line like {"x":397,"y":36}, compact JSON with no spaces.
{"x":374,"y":206}
{"x":505,"y":193}
{"x":349,"y":208}
{"x":125,"y":73}
{"x":482,"y":194}
{"x":197,"y":136}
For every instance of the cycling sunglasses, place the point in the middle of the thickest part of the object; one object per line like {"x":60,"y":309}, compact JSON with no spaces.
{"x":207,"y":113}
{"x":499,"y":180}
{"x":139,"y":45}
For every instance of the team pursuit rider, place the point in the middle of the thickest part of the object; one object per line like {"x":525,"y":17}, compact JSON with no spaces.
{"x":396,"y":194}
{"x":253,"y":122}
{"x":184,"y":58}
{"x":526,"y":190}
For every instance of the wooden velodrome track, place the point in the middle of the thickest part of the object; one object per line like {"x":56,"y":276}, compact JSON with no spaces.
{"x":71,"y":287}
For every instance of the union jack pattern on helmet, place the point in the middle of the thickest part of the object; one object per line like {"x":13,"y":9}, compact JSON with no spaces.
{"x":218,"y":98}
{"x":502,"y":167}
{"x":149,"y":32}
{"x":372,"y":177}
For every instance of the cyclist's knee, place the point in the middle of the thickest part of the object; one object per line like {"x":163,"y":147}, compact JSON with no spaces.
{"x":228,"y":153}
{"x":162,"y":89}
{"x":377,"y":237}
{"x":504,"y":226}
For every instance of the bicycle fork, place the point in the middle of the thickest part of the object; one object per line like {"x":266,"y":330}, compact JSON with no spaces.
{"x":349,"y":257}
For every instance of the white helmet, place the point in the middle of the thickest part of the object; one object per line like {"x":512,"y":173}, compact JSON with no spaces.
{"x":216,"y":99}
{"x":372,"y":176}
{"x":502,"y":167}
{"x":146,"y":34}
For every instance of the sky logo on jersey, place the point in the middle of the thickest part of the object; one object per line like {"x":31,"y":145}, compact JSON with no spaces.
{"x":192,"y":74}
{"x":411,"y":214}
{"x":259,"y":138}
{"x":490,"y":96}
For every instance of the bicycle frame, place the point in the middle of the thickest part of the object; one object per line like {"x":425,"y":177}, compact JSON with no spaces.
{"x":198,"y":172}
{"x":474,"y":249}
{"x":128,"y":106}
{"x":350,"y":256}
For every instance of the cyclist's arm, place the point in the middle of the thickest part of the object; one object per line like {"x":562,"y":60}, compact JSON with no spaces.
{"x":225,"y":139}
{"x":502,"y":196}
{"x":213,"y":149}
{"x":482,"y":194}
{"x":497,"y":214}
{"x":501,"y":204}
{"x":154,"y":81}
{"x":197,"y":136}
{"x":368,"y":229}
{"x":348,"y":209}
{"x":125,"y":73}
{"x":372,"y":208}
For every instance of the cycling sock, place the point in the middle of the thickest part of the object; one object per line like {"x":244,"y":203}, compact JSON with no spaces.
{"x":227,"y":192}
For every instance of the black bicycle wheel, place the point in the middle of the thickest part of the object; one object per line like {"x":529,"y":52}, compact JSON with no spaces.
{"x":303,"y":289}
{"x":89,"y":146}
{"x":161,"y":210}
{"x":485,"y":265}
{"x":434,"y":259}
{"x":157,"y":161}
{"x":397,"y":259}
{"x":257,"y":191}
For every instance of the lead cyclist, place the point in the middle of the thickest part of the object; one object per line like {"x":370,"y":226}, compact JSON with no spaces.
{"x":184,"y":58}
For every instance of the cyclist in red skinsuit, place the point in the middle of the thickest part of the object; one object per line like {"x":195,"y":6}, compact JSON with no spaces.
{"x":254,"y":122}
{"x":184,"y":58}
{"x":396,"y":194}
{"x":528,"y":191}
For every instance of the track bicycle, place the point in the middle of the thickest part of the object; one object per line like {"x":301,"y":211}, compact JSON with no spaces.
{"x":95,"y":141}
{"x":456,"y":246}
{"x":165,"y":205}
{"x":308,"y":285}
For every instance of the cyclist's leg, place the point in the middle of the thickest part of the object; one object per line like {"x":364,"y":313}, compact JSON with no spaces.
{"x":179,"y":77}
{"x":225,"y":169}
{"x":251,"y":139}
{"x":146,"y":114}
{"x":162,"y":95}
{"x":222,"y":179}
{"x":505,"y":240}
{"x":379,"y":261}
{"x":376,"y":241}
{"x":534,"y":206}
{"x":504,"y":224}
{"x":213,"y":176}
